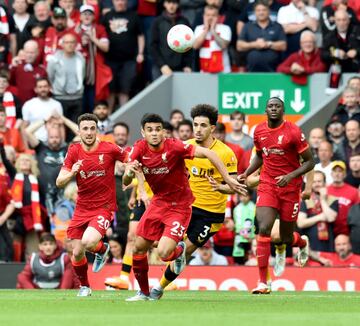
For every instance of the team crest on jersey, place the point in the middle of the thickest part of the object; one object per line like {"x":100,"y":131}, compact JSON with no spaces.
{"x":163,"y":157}
{"x":280,"y":139}
{"x":101,"y":158}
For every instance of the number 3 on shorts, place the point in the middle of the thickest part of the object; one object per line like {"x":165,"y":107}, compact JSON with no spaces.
{"x":177,"y":230}
{"x":102,"y":222}
{"x":295,"y":211}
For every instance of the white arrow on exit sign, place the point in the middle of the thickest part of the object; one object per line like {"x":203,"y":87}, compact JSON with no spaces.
{"x":297,"y":104}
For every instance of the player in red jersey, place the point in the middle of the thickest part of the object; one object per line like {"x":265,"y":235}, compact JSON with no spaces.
{"x":92,"y":162}
{"x":279,"y":146}
{"x":168,"y":215}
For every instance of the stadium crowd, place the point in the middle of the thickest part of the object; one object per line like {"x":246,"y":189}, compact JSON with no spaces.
{"x":59,"y":59}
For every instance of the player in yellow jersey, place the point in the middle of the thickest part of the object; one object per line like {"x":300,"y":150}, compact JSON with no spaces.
{"x":208,"y":209}
{"x":138,"y":202}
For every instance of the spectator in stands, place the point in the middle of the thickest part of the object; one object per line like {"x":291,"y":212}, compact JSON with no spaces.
{"x":353,"y":176}
{"x":341,"y":45}
{"x":10,"y":135}
{"x":6,"y":209}
{"x":175,"y":117}
{"x":207,"y":256}
{"x":242,"y":158}
{"x":350,"y":109}
{"x":295,"y":18}
{"x":354,"y":82}
{"x":353,"y":4}
{"x":190,"y":9}
{"x":342,"y":257}
{"x":49,"y":268}
{"x":102,"y":111}
{"x":263,"y":40}
{"x":351,"y":143}
{"x":185,"y":130}
{"x":165,"y":60}
{"x":347,"y":195}
{"x":304,"y":62}
{"x":24,"y":74}
{"x":121,"y":134}
{"x":317,"y":215}
{"x":237,"y":135}
{"x":72,"y":13}
{"x":66,"y":72}
{"x":55,"y":33}
{"x":116,"y":250}
{"x":94,"y":45}
{"x":212,"y":40}
{"x":42,"y":13}
{"x":327,"y":16}
{"x":168,"y":129}
{"x":50,"y":155}
{"x":325,"y":153}
{"x":127,"y":43}
{"x":336,"y":135}
{"x":354,"y":226}
{"x":248,"y":15}
{"x":23,"y":20}
{"x":40,"y":108}
{"x":7,"y":35}
{"x":244,"y":219}
{"x":316,"y":136}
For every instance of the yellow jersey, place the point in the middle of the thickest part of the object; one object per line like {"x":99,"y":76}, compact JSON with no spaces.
{"x":205,"y":197}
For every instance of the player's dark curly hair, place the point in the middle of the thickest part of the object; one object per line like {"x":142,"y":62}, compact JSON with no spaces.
{"x":151,"y":117}
{"x":87,"y":117}
{"x":205,"y":110}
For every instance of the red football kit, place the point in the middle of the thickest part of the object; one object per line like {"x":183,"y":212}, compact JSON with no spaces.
{"x":164,"y":169}
{"x":96,"y":200}
{"x":280,"y":149}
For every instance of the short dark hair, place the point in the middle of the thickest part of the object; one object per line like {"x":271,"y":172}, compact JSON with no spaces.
{"x":264,"y":3}
{"x":185,"y":122}
{"x":235,"y":113}
{"x":220,"y":127}
{"x":4,"y":73}
{"x":2,"y":109}
{"x":40,"y":79}
{"x":168,"y":126}
{"x":87,"y":117}
{"x":122,"y":124}
{"x":47,"y":237}
{"x":102,"y":103}
{"x":276,"y":98}
{"x":151,"y":117}
{"x":175,"y":111}
{"x":205,"y":110}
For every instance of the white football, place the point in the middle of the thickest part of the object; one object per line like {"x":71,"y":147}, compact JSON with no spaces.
{"x":180,"y":38}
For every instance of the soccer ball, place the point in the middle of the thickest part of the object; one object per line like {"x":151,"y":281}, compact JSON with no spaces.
{"x":180,"y":38}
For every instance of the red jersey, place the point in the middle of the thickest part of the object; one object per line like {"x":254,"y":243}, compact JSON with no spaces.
{"x":347,"y":196}
{"x":95,"y":180}
{"x":165,"y":170}
{"x":280,"y":151}
{"x":350,"y":261}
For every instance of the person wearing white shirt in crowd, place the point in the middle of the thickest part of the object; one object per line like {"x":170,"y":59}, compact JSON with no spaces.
{"x":325,"y":153}
{"x":41,"y":107}
{"x":206,"y":256}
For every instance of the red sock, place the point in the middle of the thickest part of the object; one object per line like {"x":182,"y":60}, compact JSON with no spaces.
{"x":81,"y":268}
{"x":100,"y":248}
{"x":297,"y":241}
{"x":175,"y":254}
{"x":262,"y":255}
{"x":141,"y":268}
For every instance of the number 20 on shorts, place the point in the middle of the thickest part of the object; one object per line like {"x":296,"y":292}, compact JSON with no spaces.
{"x":102,"y":222}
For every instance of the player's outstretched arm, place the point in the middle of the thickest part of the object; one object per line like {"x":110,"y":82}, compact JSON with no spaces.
{"x":255,"y":164}
{"x":222,"y":188}
{"x":202,"y":152}
{"x":130,"y":171}
{"x":65,"y":176}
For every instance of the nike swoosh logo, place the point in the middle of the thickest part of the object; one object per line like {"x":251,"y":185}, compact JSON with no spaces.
{"x":146,"y":158}
{"x":263,"y":138}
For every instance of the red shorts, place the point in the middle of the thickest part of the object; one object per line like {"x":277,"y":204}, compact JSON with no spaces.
{"x":99,"y":219}
{"x":169,"y":221}
{"x":285,"y":200}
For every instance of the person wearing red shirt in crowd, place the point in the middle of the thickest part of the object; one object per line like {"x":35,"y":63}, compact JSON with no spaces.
{"x":279,"y":146}
{"x":304,"y":62}
{"x":24,"y":73}
{"x":342,"y":257}
{"x":94,"y":43}
{"x":353,"y":4}
{"x":167,"y":217}
{"x":72,"y":13}
{"x":92,"y":162}
{"x":347,"y":195}
{"x":50,"y":268}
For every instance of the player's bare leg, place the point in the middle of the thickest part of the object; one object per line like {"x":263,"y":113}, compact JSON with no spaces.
{"x":141,"y":268}
{"x":266,"y":217}
{"x":92,"y":242}
{"x":122,"y":282}
{"x":288,"y":236}
{"x":80,"y":265}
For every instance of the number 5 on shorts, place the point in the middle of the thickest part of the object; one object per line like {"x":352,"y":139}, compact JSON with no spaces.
{"x":103,"y":223}
{"x":295,"y":211}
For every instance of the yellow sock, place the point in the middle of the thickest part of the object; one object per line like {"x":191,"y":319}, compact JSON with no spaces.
{"x":126,"y":266}
{"x":167,"y":277}
{"x":280,"y":248}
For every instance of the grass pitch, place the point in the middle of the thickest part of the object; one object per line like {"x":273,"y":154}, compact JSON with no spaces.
{"x":185,"y":308}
